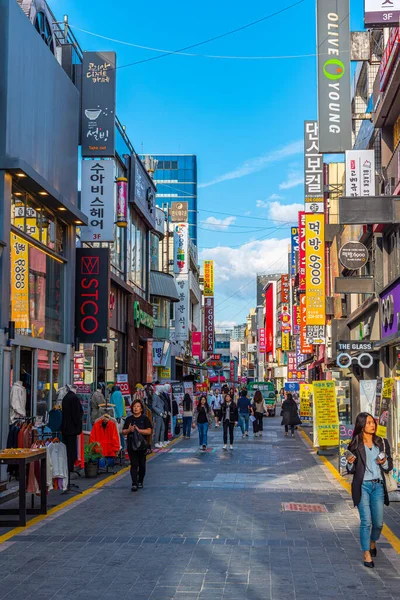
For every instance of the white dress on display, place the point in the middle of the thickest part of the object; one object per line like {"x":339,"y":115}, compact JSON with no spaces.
{"x":17,"y":402}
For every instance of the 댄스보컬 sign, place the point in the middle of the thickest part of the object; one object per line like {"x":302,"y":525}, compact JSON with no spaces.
{"x":326,"y":412}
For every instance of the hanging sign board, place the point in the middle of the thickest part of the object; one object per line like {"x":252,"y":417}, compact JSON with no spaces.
{"x":353,"y":255}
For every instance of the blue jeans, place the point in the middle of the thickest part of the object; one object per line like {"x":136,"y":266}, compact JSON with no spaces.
{"x":371,"y":513}
{"x":244,"y":422}
{"x":173,"y":425}
{"x":203,"y":429}
{"x":187,"y":425}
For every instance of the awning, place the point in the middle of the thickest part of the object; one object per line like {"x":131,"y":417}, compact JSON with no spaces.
{"x":163,"y":285}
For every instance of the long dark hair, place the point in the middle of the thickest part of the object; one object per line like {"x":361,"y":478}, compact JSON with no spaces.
{"x":187,"y":402}
{"x":258,"y":397}
{"x":289,"y":397}
{"x":361,"y":421}
{"x":206,"y":404}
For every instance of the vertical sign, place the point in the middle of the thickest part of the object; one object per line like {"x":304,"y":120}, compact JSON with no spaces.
{"x":300,"y":357}
{"x":270,"y":318}
{"x":296,"y":319}
{"x":179,"y":212}
{"x":381,"y":13}
{"x":313,"y":162}
{"x":181,"y":248}
{"x":284,"y":289}
{"x":294,"y":251}
{"x":19,"y":282}
{"x":182,"y":309}
{"x":334,"y":99}
{"x":326,"y":413}
{"x":196,"y":344}
{"x":306,"y":392}
{"x":97,"y":200}
{"x":149,"y":362}
{"x":98,"y":104}
{"x":208,"y":278}
{"x":232,"y":370}
{"x":285,"y":341}
{"x":305,"y":347}
{"x":360,"y":173}
{"x":209,"y":324}
{"x":92,"y":306}
{"x":315,"y":278}
{"x":294,"y":374}
{"x":261,"y":340}
{"x":302,"y":251}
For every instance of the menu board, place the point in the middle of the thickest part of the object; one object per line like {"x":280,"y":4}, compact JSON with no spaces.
{"x":306,"y":394}
{"x":345,"y":435}
{"x":326,"y":413}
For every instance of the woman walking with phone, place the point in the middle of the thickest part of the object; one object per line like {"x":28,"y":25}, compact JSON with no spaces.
{"x":369,"y":460}
{"x":230,"y":418}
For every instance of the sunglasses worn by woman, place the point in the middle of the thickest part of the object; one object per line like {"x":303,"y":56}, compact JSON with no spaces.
{"x":368,"y":459}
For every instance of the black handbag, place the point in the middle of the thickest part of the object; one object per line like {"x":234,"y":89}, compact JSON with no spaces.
{"x":177,"y":428}
{"x":137,"y":441}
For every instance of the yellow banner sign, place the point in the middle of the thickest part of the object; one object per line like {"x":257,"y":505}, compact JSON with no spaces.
{"x":326,"y":413}
{"x":306,"y":392}
{"x":164,"y":373}
{"x":19,"y":282}
{"x":209,"y":278}
{"x":285,"y":341}
{"x":315,"y":269}
{"x":387,"y":392}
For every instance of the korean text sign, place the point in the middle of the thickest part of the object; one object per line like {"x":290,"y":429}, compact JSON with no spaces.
{"x":326,"y":412}
{"x":261,"y":340}
{"x":182,"y":309}
{"x":98,"y":104}
{"x":92,"y":307}
{"x":302,"y":251}
{"x":315,"y":269}
{"x":209,"y":278}
{"x":19,"y":282}
{"x":97,"y":200}
{"x":294,"y":251}
{"x":313,"y":162}
{"x":306,"y":392}
{"x":181,"y":248}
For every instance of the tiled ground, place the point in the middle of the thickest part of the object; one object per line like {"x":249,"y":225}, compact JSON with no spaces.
{"x":207,"y":526}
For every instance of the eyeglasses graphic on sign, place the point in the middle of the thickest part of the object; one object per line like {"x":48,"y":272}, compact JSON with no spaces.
{"x":364,"y":360}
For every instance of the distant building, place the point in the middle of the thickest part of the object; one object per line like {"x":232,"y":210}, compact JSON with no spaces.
{"x":176,"y":178}
{"x":239,"y":332}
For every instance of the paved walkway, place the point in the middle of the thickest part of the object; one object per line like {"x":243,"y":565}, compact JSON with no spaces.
{"x":207,"y":526}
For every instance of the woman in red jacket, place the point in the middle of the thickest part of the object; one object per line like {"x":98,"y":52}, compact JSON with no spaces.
{"x":140,"y":423}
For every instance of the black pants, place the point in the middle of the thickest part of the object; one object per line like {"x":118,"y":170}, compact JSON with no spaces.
{"x":230,"y":427}
{"x":259,"y":422}
{"x":166,"y":423}
{"x":138,"y":464}
{"x":291,"y":428}
{"x":72,"y":450}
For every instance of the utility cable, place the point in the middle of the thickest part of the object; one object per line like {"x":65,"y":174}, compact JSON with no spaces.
{"x":207,"y":41}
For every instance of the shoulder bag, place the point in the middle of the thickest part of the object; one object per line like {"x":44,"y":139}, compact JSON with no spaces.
{"x":391,"y":483}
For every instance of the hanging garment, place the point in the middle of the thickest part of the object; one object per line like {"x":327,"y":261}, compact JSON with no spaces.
{"x":117,"y":399}
{"x":55,"y":418}
{"x":96,"y":400}
{"x":72,"y":414}
{"x":17,"y":401}
{"x":106,"y":433}
{"x":57,"y":465}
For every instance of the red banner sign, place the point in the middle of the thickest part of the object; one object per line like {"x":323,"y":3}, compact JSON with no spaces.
{"x":302,"y":251}
{"x":232,"y":370}
{"x":293,"y":373}
{"x":304,"y":347}
{"x":261,"y":340}
{"x":284,"y":289}
{"x":209,"y":324}
{"x":269,"y":319}
{"x":196,"y":344}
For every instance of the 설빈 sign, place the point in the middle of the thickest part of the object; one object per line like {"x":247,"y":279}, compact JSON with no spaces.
{"x":334,"y":98}
{"x":92,"y":295}
{"x":98,"y":104}
{"x":208,"y":278}
{"x":97,"y":200}
{"x":315,"y":279}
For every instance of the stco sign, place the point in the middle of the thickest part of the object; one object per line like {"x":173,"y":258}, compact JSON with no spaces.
{"x":92,"y":311}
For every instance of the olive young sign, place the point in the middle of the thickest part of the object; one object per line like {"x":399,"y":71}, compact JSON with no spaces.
{"x":334,"y":106}
{"x":315,"y":279}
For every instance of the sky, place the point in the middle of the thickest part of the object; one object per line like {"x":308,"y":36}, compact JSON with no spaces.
{"x":243,"y":118}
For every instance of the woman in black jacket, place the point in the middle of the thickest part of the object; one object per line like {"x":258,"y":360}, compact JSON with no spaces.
{"x":230,"y":418}
{"x":368,"y":459}
{"x":290,"y":415}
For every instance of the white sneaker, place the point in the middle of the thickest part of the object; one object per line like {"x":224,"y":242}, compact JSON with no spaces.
{"x":164,"y":444}
{"x":158,"y":445}
{"x":231,"y":447}
{"x":224,"y":446}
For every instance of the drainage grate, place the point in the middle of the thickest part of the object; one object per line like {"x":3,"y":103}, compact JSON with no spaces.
{"x":302,"y":507}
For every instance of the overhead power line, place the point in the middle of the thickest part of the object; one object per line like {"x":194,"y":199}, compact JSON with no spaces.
{"x":215,"y":212}
{"x":207,"y":41}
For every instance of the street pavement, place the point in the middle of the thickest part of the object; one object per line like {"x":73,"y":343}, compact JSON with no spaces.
{"x":207,"y":526}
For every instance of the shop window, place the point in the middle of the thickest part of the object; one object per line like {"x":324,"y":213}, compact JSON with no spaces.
{"x":36,"y":291}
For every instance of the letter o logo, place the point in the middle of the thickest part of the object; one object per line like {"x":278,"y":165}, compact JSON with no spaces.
{"x":340,"y":69}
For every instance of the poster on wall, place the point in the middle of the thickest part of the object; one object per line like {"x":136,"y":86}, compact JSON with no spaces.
{"x":368,"y":396}
{"x":387,"y":393}
{"x":98,"y":103}
{"x":326,"y":412}
{"x":345,"y":436}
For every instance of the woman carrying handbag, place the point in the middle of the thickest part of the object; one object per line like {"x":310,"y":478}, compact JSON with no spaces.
{"x":290,"y":415}
{"x":369,"y":460}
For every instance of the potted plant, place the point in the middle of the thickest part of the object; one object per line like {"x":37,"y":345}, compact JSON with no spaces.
{"x":92,"y":454}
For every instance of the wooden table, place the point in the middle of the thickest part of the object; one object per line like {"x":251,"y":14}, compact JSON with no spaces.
{"x":23,"y":458}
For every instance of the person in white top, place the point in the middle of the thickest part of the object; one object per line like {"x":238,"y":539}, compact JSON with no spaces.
{"x":216,"y":406}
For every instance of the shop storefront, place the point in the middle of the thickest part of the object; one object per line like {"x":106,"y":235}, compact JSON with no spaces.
{"x":140,"y":341}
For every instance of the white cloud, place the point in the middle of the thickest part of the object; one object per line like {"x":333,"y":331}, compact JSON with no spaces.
{"x":266,"y":203}
{"x":284,"y":212}
{"x":257,"y":164}
{"x":218,"y":224}
{"x":225,"y":324}
{"x":294,"y":179}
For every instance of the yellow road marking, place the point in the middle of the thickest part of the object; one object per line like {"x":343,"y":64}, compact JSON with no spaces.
{"x":52,"y":511}
{"x":391,"y":537}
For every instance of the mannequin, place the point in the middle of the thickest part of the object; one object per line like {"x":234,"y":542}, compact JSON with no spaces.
{"x":158,"y":409}
{"x":166,"y":388}
{"x":71,"y":425}
{"x":17,"y":401}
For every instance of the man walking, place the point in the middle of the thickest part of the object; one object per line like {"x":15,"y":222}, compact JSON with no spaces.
{"x":244,"y":413}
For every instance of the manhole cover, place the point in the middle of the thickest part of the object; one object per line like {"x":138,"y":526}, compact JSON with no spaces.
{"x":302,"y":507}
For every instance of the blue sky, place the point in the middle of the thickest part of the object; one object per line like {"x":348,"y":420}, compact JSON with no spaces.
{"x":243,"y":118}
